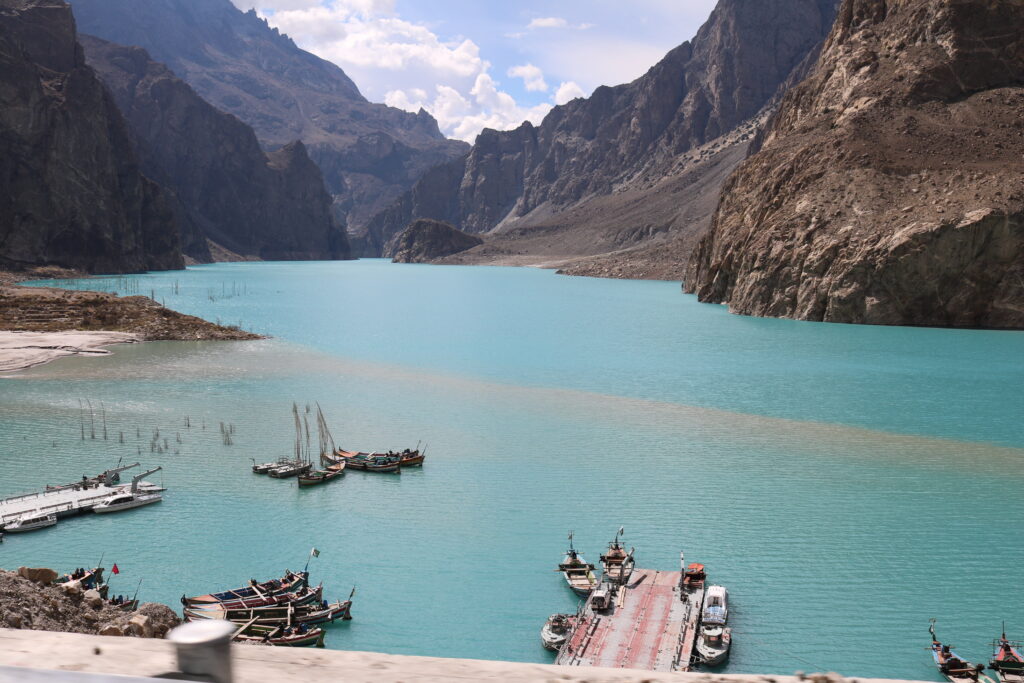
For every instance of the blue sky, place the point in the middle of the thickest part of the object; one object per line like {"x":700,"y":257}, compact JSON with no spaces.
{"x":484,"y":63}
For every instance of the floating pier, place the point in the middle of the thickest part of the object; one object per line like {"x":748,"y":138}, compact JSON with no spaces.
{"x":650,"y":622}
{"x":76,"y":498}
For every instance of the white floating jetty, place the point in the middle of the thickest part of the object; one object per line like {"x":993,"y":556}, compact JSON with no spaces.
{"x":75,"y":498}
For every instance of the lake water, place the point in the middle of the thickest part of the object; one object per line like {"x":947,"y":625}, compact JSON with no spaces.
{"x":846,"y":483}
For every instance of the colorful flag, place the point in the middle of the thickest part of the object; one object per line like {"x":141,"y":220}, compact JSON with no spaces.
{"x":315,"y":553}
{"x":115,"y":570}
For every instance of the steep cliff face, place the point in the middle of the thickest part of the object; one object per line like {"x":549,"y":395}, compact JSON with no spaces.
{"x":626,"y":138}
{"x":369,"y":153}
{"x":71,"y":193}
{"x":266,"y":206}
{"x":890,"y":187}
{"x":425,"y":240}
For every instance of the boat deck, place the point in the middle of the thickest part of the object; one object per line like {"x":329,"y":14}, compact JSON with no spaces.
{"x":64,"y":501}
{"x":648,"y":627}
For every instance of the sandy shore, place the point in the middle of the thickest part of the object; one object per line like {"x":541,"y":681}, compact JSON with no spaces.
{"x":20,"y":350}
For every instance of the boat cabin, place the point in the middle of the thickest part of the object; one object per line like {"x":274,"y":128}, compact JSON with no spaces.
{"x":601,"y":599}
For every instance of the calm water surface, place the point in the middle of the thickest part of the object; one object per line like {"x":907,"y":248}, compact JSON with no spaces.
{"x":846,"y":483}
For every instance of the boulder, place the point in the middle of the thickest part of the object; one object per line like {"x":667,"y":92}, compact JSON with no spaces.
{"x":139,"y":626}
{"x":40,"y":575}
{"x":93,"y":598}
{"x":72,"y":588}
{"x":111,"y":630}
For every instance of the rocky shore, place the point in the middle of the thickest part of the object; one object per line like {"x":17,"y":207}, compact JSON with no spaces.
{"x":40,"y":324}
{"x":30,"y":600}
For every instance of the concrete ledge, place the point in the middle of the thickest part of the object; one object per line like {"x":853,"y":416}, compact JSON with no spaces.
{"x":72,"y":652}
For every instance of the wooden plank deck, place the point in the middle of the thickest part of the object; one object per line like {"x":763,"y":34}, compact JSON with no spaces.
{"x":648,"y":627}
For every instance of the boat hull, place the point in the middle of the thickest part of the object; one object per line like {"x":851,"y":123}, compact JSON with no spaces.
{"x":131,"y":505}
{"x":267,"y":588}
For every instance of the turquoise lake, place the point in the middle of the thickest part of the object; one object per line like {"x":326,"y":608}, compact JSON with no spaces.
{"x":846,"y":483}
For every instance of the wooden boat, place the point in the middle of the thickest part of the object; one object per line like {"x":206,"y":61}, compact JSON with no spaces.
{"x":306,"y":596}
{"x":125,"y":501}
{"x":1007,"y":662}
{"x":371,"y":462}
{"x":616,"y":563}
{"x":275,"y":616}
{"x":88,"y":578}
{"x":291,"y":582}
{"x":556,"y":631}
{"x":316,"y":477}
{"x":408,"y":458}
{"x":31,"y":521}
{"x":578,"y":573}
{"x":279,"y":636}
{"x":714,"y":637}
{"x":954,"y":668}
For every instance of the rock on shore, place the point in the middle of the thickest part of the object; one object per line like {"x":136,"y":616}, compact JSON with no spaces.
{"x":425,"y":240}
{"x":29,"y":600}
{"x":890,"y":187}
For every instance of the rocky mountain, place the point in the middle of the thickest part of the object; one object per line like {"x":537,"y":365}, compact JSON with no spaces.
{"x":368,"y":153}
{"x":631,"y":142}
{"x":425,"y":240}
{"x":72,"y":193}
{"x":889,"y":188}
{"x":271,"y":206}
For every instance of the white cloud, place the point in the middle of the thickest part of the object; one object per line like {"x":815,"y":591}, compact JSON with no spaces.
{"x":568,"y":90}
{"x":548,"y":22}
{"x":533,"y":77}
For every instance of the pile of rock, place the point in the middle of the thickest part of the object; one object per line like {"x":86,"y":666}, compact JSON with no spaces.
{"x":30,"y":600}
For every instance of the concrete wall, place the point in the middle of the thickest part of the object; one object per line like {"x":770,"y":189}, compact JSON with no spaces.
{"x":72,"y":652}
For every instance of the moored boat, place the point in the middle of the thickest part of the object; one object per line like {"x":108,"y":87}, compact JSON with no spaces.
{"x":31,"y":521}
{"x":279,"y":636}
{"x":305,"y":596}
{"x":88,"y":578}
{"x":694,"y":577}
{"x":578,"y":573}
{"x":316,"y":477}
{"x":1007,"y":662}
{"x":714,"y":637}
{"x":616,"y":563}
{"x":275,"y":616}
{"x":953,"y":667}
{"x":556,"y":631}
{"x":291,"y":582}
{"x":412,"y":458}
{"x":125,"y":501}
{"x":289,"y":469}
{"x":264,"y":468}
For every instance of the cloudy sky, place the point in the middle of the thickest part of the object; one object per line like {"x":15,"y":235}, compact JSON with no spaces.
{"x":485,"y":63}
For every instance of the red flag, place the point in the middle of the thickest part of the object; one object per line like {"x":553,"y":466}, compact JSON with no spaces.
{"x":115,"y":570}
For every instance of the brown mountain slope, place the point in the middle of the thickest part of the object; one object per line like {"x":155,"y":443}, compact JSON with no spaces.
{"x":70,"y":189}
{"x":627,"y":138}
{"x":257,"y":205}
{"x":369,"y":153}
{"x":890,"y":187}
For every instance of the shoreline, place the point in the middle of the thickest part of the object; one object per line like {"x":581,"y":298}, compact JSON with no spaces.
{"x":24,"y":350}
{"x":63,"y":322}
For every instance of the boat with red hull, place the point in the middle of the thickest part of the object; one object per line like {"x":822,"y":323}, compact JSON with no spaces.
{"x":289,"y":583}
{"x":1007,"y":662}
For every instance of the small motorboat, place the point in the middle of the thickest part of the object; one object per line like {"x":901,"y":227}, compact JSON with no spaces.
{"x":388,"y":464}
{"x":1007,"y":662}
{"x":289,"y":583}
{"x":264,"y":468}
{"x":616,"y":563}
{"x":279,"y":636}
{"x":315,"y":477}
{"x":714,"y":637}
{"x":30,"y":521}
{"x":578,"y":573}
{"x":125,"y":501}
{"x":410,"y":458}
{"x":556,"y":631}
{"x":289,"y":469}
{"x":371,"y":462}
{"x":88,"y":578}
{"x":953,"y":667}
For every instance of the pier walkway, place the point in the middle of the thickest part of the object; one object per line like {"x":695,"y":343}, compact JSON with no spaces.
{"x":651,"y":624}
{"x":70,"y":499}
